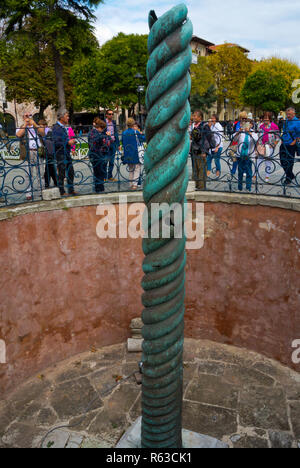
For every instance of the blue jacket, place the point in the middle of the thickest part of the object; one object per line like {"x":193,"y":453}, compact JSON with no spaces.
{"x":61,"y":140}
{"x":291,"y":131}
{"x":130,"y":140}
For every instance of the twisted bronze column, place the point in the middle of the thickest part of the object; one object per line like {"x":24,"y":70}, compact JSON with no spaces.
{"x":164,"y":264}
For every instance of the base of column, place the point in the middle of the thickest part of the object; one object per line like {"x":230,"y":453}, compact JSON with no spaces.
{"x":132,"y":439}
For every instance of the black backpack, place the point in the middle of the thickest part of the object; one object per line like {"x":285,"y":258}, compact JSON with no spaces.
{"x":49,"y":145}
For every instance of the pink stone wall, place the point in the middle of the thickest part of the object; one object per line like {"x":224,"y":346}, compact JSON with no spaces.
{"x":243,"y":287}
{"x":63,"y":290}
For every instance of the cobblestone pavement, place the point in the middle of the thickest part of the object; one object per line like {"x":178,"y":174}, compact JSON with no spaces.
{"x":235,"y":395}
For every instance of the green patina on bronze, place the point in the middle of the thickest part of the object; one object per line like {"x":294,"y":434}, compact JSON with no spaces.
{"x":164,"y":264}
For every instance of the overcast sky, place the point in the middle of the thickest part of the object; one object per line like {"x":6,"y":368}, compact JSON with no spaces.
{"x":266,"y":27}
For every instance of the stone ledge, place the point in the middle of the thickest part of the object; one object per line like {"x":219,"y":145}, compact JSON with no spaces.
{"x":246,"y":199}
{"x":137,"y":197}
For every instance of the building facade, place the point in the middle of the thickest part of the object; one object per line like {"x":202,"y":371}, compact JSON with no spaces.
{"x":203,"y":48}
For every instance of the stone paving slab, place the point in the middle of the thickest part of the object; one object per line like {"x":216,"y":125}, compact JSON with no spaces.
{"x":239,"y":397}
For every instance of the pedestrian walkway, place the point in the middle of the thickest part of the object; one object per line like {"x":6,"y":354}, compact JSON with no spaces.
{"x":232,"y":394}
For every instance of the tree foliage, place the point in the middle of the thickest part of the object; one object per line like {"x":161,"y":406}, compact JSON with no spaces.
{"x":230,"y":68}
{"x":282,"y":73}
{"x":265,"y":91}
{"x":27,"y":67}
{"x":203,"y":92}
{"x":64,"y":25}
{"x":202,"y":77}
{"x":108,"y":77}
{"x":204,"y":101}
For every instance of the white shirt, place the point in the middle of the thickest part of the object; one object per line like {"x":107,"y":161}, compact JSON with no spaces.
{"x":33,"y":139}
{"x":219,"y":130}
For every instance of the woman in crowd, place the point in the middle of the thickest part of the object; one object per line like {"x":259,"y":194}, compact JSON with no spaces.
{"x":246,"y":141}
{"x":141,"y":150}
{"x":72,"y":136}
{"x":270,"y":137}
{"x":99,"y":142}
{"x":233,"y":148}
{"x":132,"y":139}
{"x":216,"y":152}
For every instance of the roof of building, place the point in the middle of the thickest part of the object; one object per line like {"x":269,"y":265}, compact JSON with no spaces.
{"x":216,"y":47}
{"x":202,"y":41}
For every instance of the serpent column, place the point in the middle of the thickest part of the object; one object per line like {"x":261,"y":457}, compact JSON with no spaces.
{"x":164,"y":265}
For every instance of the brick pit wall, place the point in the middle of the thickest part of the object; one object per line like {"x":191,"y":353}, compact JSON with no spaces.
{"x":63,"y":290}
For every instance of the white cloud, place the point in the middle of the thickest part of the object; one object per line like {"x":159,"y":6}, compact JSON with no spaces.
{"x":266,"y":27}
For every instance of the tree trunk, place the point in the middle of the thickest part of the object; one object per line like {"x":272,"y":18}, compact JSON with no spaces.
{"x":71,"y":112}
{"x":43,"y":107}
{"x":219,"y":106}
{"x":59,"y":79}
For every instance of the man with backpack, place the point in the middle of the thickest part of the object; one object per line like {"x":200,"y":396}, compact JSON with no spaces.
{"x":202,"y":143}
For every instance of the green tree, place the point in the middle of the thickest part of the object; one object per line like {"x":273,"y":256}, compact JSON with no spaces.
{"x":85,"y":75}
{"x":283,"y":69}
{"x":204,"y":101}
{"x":107,"y":78}
{"x":27,"y":68}
{"x":265,"y":91}
{"x":203,"y":92}
{"x":230,"y":68}
{"x":202,"y":76}
{"x":63,"y":24}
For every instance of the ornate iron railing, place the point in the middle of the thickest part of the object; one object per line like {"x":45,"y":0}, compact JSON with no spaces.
{"x":23,"y":180}
{"x":243,"y":161}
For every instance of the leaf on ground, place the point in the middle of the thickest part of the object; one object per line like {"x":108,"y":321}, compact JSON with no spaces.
{"x":117,"y":378}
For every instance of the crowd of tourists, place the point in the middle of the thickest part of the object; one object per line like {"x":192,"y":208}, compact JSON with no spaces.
{"x":252,"y":144}
{"x":50,"y":151}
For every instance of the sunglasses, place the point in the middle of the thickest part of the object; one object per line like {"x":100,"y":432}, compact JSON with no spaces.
{"x":110,"y":114}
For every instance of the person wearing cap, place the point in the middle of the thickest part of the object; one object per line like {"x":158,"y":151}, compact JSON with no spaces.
{"x":62,"y":146}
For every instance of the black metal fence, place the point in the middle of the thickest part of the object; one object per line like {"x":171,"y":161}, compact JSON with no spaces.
{"x":231,"y":162}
